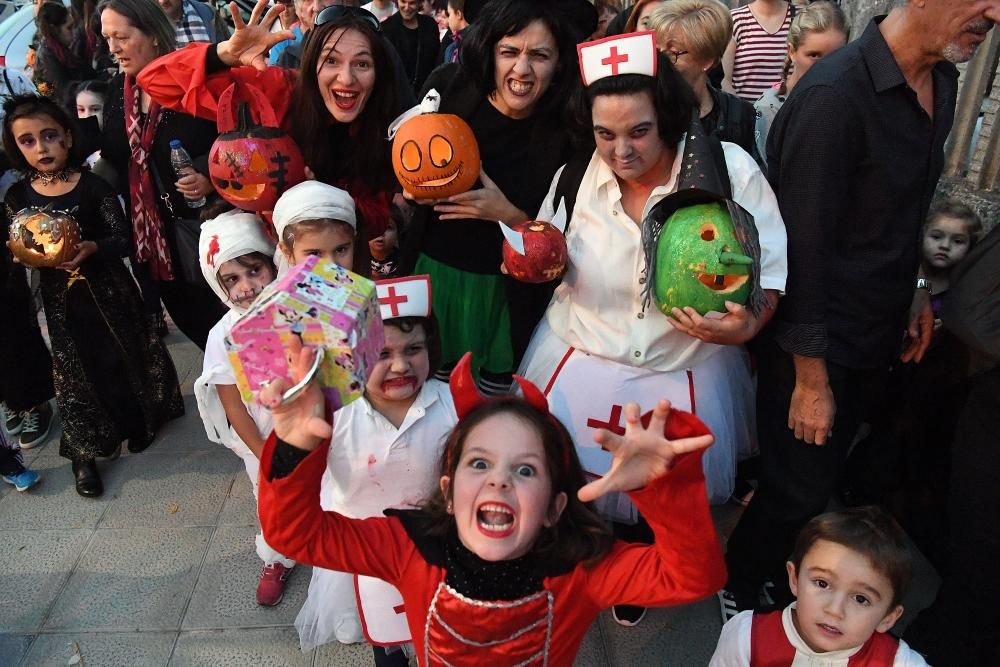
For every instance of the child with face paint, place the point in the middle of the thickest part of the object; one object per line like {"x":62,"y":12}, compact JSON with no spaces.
{"x":314,"y":218}
{"x":236,"y":261}
{"x":388,"y":445}
{"x":113,"y":377}
{"x":506,"y":563}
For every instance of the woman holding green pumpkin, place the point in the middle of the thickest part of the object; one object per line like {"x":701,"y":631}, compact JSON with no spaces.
{"x":655,"y":172}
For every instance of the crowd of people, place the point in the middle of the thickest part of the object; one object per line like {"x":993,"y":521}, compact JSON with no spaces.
{"x":505,"y":523}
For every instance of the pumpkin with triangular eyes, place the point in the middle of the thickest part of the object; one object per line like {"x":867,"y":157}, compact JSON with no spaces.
{"x":252,"y":163}
{"x":435,"y":155}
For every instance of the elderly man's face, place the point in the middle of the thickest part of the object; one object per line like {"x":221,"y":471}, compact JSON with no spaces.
{"x":960,"y":25}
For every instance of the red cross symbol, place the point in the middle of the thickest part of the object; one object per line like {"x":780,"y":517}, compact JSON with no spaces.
{"x":393,"y":300}
{"x":614,"y":423}
{"x":615,"y":59}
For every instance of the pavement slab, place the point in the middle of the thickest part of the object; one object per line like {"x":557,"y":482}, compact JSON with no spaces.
{"x":113,"y":649}
{"x":132,"y":579}
{"x":336,"y":654}
{"x":224,"y":596}
{"x":164,"y":489}
{"x":37,"y":564}
{"x":673,"y":636}
{"x":13,"y":647}
{"x":272,"y":647}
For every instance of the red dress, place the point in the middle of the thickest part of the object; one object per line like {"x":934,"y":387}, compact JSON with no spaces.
{"x":543,"y":628}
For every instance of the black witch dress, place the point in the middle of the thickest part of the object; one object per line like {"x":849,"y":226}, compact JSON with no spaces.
{"x":113,"y":377}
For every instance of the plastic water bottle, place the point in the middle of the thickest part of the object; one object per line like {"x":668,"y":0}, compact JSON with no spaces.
{"x":183,"y":166}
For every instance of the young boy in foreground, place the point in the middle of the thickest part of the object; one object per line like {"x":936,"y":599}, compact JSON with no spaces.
{"x":849,"y":572}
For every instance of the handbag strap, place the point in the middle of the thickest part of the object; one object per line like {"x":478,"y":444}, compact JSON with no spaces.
{"x":162,"y":191}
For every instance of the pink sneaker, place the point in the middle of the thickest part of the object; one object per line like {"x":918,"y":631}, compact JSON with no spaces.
{"x":271,"y":588}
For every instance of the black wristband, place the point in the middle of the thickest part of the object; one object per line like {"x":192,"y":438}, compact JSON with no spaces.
{"x":213,"y":63}
{"x":285,"y":459}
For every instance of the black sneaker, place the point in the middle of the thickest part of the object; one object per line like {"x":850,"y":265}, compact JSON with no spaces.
{"x":12,"y":421}
{"x":627,"y":614}
{"x":35,"y":425}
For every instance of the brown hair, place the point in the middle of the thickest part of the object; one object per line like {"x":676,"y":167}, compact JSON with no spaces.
{"x":580,"y":535}
{"x":289,"y":232}
{"x":148,"y":18}
{"x":431,"y":332}
{"x":868,"y":531}
{"x":366,"y":157}
{"x":952,"y":208}
{"x":633,"y":19}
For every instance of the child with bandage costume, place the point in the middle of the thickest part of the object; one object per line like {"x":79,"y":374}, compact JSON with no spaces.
{"x":236,"y":258}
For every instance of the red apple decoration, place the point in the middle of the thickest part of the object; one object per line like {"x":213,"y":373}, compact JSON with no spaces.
{"x":545,"y":254}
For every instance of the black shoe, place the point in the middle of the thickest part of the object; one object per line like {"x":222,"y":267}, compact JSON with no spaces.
{"x":12,"y":420}
{"x":35,"y":425}
{"x":139,"y":443}
{"x":627,"y":614}
{"x":88,"y":481}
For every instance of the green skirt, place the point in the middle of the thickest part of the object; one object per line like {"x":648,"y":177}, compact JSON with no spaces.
{"x":471,"y":309}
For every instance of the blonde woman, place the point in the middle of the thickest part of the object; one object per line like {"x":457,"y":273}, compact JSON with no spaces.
{"x":694,"y":34}
{"x":817,"y":30}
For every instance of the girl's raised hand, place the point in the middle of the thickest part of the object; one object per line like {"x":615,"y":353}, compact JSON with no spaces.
{"x":641,"y":455}
{"x":251,"y":41}
{"x":299,"y":422}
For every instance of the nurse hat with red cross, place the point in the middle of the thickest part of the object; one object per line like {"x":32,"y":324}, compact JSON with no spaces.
{"x":632,"y":53}
{"x":404,"y":297}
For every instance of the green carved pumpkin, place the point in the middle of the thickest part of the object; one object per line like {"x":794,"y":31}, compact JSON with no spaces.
{"x":699,"y":262}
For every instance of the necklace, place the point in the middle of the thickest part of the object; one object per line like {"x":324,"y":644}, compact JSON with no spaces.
{"x":50,"y":177}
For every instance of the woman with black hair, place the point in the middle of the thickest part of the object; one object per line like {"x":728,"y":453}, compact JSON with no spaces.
{"x":58,"y":63}
{"x":516,"y":72}
{"x":337,"y":106}
{"x":598,"y":345}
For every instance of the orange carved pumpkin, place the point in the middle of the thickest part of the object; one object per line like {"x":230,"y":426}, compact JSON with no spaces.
{"x":252,"y":163}
{"x":435,"y":155}
{"x":43,"y":238}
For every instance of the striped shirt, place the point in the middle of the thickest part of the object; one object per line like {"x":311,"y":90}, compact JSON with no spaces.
{"x":191,"y":28}
{"x":760,"y":55}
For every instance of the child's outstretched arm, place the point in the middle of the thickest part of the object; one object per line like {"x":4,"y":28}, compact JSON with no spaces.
{"x":292,"y":464}
{"x":665,"y":480}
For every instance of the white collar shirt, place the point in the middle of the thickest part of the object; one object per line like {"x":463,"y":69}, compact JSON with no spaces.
{"x":598,"y":309}
{"x":372,"y":465}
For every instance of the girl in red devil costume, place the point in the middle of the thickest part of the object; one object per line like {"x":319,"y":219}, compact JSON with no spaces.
{"x":507,"y":564}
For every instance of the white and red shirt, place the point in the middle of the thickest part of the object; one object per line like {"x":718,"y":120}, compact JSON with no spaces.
{"x":771,"y":640}
{"x":760,"y":55}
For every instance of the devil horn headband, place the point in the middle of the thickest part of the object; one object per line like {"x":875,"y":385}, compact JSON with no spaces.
{"x":467,"y":396}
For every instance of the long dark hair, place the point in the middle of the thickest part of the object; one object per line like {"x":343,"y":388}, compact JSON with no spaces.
{"x":369,"y":162}
{"x":580,"y":535}
{"x":673,"y":99}
{"x":500,"y":19}
{"x":32,"y":106}
{"x":51,"y":18}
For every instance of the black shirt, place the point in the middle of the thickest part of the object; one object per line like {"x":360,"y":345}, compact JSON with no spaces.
{"x":417,"y":47}
{"x":854,"y":160}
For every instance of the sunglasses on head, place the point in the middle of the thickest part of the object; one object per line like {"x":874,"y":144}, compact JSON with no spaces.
{"x":340,"y":11}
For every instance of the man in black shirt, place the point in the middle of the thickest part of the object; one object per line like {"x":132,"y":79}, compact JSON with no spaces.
{"x":854,"y":157}
{"x":416,"y":39}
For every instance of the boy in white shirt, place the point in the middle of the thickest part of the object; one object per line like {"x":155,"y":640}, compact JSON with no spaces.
{"x":849,"y":572}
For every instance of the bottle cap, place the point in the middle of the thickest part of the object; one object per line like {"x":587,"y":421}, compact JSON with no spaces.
{"x":175,"y":143}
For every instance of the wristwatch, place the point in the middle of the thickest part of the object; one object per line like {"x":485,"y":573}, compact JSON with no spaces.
{"x":923,"y":283}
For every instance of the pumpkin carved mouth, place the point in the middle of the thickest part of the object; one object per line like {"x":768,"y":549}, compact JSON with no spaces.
{"x":435,"y":182}
{"x":722,"y":282}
